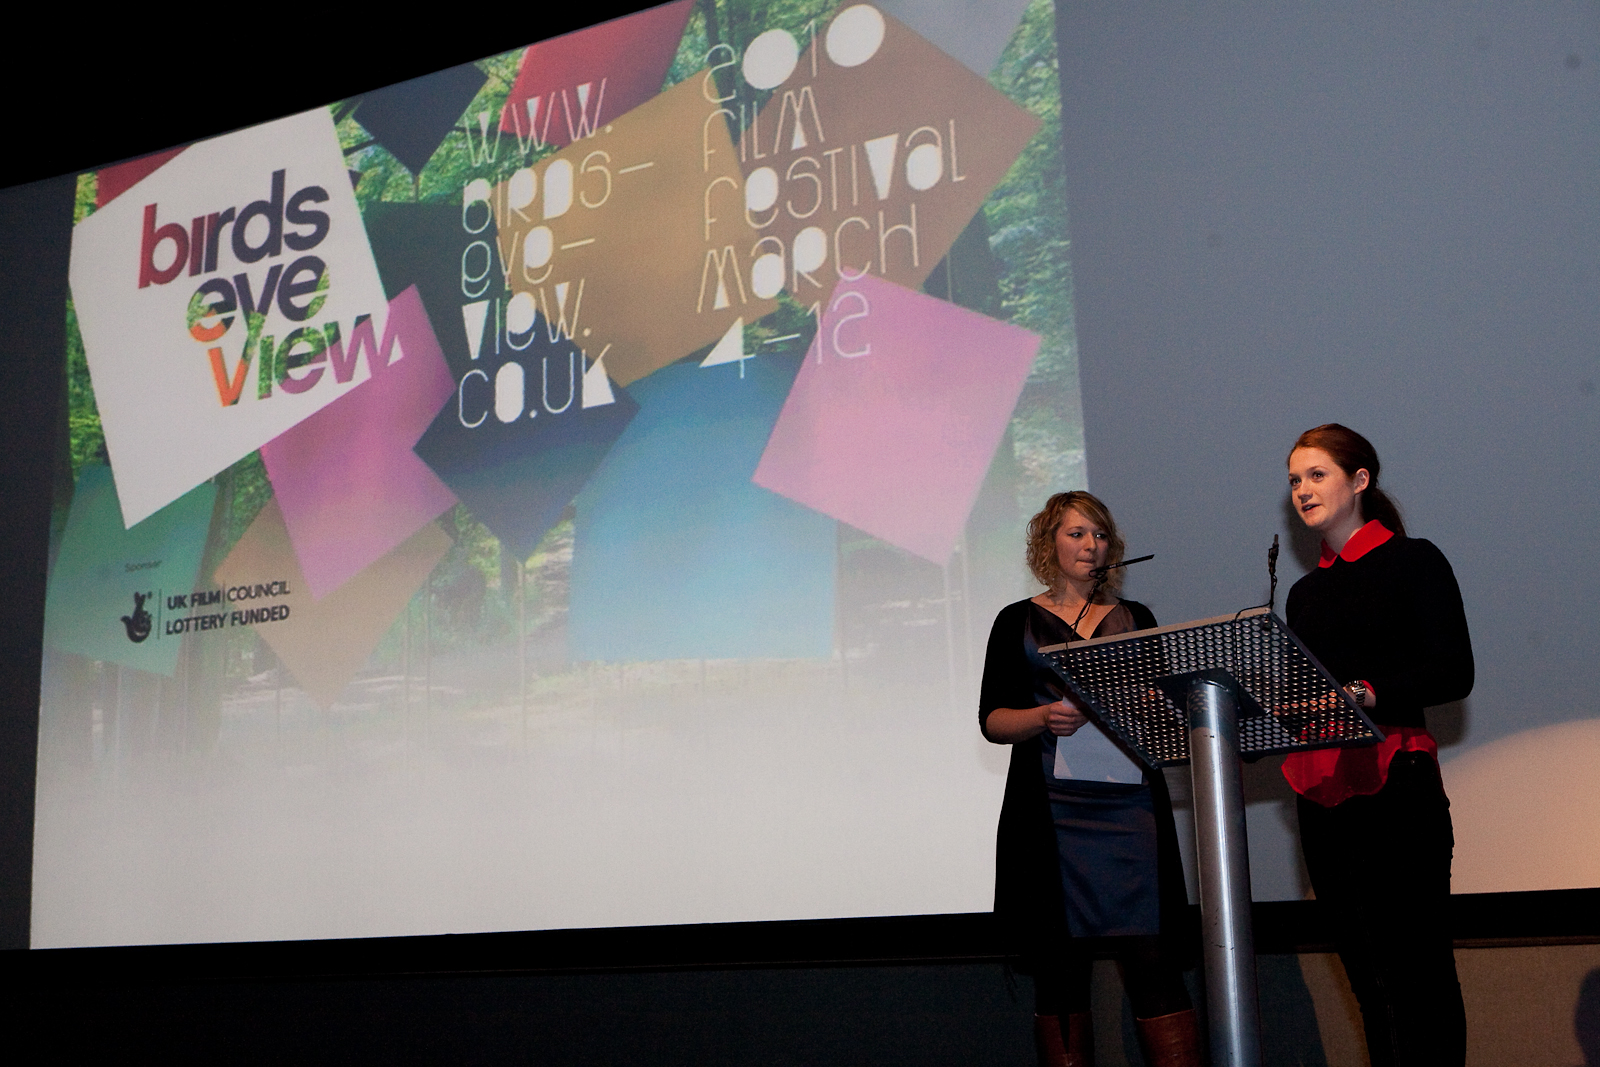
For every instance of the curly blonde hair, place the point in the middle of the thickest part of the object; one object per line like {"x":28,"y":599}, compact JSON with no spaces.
{"x":1042,"y":560}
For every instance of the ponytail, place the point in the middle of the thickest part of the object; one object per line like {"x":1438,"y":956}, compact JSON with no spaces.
{"x":1376,"y":504}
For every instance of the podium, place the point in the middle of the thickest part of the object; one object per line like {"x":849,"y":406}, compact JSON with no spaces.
{"x":1206,"y":693}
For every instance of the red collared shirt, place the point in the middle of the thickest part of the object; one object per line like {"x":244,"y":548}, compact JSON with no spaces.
{"x":1361,"y":542}
{"x":1331,"y":775}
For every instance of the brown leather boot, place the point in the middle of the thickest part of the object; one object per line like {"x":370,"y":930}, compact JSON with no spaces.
{"x":1170,"y":1040}
{"x":1075,"y":1050}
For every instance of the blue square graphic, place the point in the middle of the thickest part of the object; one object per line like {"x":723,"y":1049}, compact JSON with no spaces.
{"x":677,"y":554}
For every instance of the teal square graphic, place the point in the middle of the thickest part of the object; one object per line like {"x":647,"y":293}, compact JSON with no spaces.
{"x":110,"y":586}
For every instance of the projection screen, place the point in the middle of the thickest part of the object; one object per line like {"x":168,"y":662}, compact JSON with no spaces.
{"x":567,"y":490}
{"x":572,"y":489}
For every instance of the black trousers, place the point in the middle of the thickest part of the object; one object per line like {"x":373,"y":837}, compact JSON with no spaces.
{"x":1150,"y":977}
{"x":1380,"y":866}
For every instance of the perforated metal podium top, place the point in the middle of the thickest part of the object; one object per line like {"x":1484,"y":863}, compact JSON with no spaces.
{"x":1134,"y":683}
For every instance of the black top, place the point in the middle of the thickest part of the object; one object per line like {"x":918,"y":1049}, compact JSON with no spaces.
{"x":1392,"y":618}
{"x":1012,"y":678}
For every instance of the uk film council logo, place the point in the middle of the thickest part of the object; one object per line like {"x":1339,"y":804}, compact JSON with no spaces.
{"x":139,"y":623}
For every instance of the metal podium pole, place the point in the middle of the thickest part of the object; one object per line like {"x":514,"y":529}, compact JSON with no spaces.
{"x":1230,"y":955}
{"x":1248,"y":664}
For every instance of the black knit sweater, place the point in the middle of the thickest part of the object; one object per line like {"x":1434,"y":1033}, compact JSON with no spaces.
{"x":1392,"y":618}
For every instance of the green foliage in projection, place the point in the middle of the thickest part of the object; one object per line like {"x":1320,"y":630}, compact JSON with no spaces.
{"x":248,"y":492}
{"x":86,"y":439}
{"x":1027,"y":216}
{"x":1027,"y":212}
{"x":83,"y":202}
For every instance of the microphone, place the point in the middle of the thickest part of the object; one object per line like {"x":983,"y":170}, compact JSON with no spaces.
{"x":1272,"y":595}
{"x":1100,"y":575}
{"x":1272,"y":572}
{"x":1101,"y":572}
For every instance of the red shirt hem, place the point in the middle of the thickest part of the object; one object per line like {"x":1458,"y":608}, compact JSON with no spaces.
{"x":1331,"y":776}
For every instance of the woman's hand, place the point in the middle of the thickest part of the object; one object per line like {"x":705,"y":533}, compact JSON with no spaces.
{"x":1007,"y":726}
{"x":1063,"y":718}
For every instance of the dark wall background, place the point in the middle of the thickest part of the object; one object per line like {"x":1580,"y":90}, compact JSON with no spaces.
{"x":113,"y":87}
{"x":900,"y":1015}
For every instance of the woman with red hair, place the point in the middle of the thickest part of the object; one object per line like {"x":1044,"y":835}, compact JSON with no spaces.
{"x":1383,"y":613}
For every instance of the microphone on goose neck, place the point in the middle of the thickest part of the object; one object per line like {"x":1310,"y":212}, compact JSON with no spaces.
{"x":1272,"y":572}
{"x":1100,"y":576}
{"x":1101,"y":572}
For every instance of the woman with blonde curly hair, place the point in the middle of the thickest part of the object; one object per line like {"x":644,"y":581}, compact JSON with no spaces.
{"x":1086,"y":845}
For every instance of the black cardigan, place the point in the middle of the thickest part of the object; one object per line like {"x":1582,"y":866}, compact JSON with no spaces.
{"x":1392,"y":618}
{"x":1027,"y":882}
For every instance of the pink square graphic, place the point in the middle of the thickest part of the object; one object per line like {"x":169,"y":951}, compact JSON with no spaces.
{"x":349,"y":485}
{"x":895,"y":416}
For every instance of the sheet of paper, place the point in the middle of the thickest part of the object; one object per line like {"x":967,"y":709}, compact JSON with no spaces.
{"x":1091,"y":756}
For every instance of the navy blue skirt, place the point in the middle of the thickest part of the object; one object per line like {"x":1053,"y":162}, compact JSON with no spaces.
{"x":1106,"y":838}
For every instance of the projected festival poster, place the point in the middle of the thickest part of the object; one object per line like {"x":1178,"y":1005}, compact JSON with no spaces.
{"x":567,"y":490}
